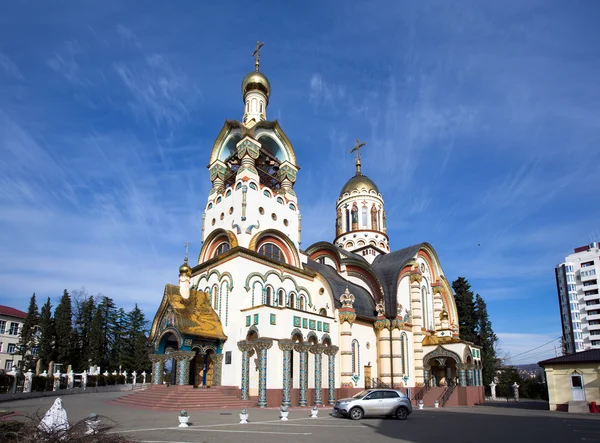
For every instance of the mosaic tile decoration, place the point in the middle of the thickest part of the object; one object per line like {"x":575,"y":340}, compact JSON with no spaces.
{"x":296,"y":322}
{"x":255,"y":319}
{"x":325,"y":327}
{"x":273,"y":319}
{"x":319,"y":326}
{"x":248,"y":320}
{"x":304,"y":323}
{"x":312,"y":324}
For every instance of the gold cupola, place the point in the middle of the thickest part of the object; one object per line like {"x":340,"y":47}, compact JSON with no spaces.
{"x":256,"y":91}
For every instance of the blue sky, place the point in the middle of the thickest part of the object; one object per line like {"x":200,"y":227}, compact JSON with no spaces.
{"x":481,"y":121}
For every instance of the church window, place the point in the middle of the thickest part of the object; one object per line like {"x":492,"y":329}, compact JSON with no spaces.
{"x":227,"y":357}
{"x":291,"y":300}
{"x":221,"y":249}
{"x":323,"y":312}
{"x":292,"y":207}
{"x":301,"y":303}
{"x":222,"y":216}
{"x":267,"y":193}
{"x":210,"y":206}
{"x":355,"y":358}
{"x":354,"y":217}
{"x":261,"y":107}
{"x":349,"y":245}
{"x":364,"y":217}
{"x":239,"y":185}
{"x":215,"y":292}
{"x":228,"y":193}
{"x":286,"y":222}
{"x":280,"y":298}
{"x":214,"y":220}
{"x":231,"y":210}
{"x":361,"y":243}
{"x":254,"y":104}
{"x":279,"y":200}
{"x":347,"y":220}
{"x":253,"y":186}
{"x":272,"y":251}
{"x":261,"y":210}
{"x":219,"y":200}
{"x":268,"y":296}
{"x":274,"y":216}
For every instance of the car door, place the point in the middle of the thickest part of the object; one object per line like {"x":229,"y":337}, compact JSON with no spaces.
{"x":389,"y":402}
{"x":372,"y":403}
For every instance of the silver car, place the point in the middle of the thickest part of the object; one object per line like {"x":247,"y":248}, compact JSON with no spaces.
{"x":374,"y":402}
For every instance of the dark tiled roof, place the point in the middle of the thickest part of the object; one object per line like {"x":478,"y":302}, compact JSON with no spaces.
{"x":388,"y":267}
{"x":589,"y":356}
{"x":12,"y":312}
{"x":363,"y":304}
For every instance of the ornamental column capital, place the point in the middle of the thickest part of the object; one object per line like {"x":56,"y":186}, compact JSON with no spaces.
{"x":416,"y":277}
{"x":301,"y":348}
{"x":331,"y":350}
{"x":182,"y":355}
{"x":262,"y":344}
{"x":157,"y":358}
{"x":286,"y":345}
{"x":245,"y":346}
{"x":316,"y":349}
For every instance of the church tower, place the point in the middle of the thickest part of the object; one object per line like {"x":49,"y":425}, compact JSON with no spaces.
{"x":361,"y":220}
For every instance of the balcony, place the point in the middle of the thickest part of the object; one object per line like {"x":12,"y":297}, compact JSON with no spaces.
{"x":591,"y":297}
{"x":594,"y":327}
{"x":593,"y":317}
{"x":593,"y":307}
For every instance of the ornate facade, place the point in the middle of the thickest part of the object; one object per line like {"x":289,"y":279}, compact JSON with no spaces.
{"x":291,"y":326}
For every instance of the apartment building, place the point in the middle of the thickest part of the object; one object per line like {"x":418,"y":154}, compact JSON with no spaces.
{"x":11,"y":322}
{"x":578,"y":298}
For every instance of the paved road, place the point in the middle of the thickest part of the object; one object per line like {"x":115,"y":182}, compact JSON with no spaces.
{"x":450,"y":425}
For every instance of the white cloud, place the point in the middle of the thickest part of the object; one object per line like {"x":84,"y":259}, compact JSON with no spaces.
{"x":9,"y":66}
{"x":522,"y":348}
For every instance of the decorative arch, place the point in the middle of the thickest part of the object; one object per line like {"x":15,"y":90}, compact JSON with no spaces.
{"x":326,"y":339}
{"x":297,"y":333}
{"x":440,"y":351}
{"x":282,"y":278}
{"x":254,"y":290}
{"x":312,"y":336}
{"x":467,"y":354}
{"x":284,"y":239}
{"x":209,"y":243}
{"x":166,"y":332}
{"x":252,"y":330}
{"x":221,"y":277}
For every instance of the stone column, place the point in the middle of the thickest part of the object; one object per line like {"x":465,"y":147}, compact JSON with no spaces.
{"x":347,"y":316}
{"x":183,"y":359}
{"x":417,"y":323}
{"x":383,"y":327}
{"x":158,"y":366}
{"x":217,"y":360}
{"x":245,"y":347}
{"x":303,"y":372}
{"x":317,"y":350}
{"x":331,"y":351}
{"x":462,"y":374}
{"x":426,"y":378}
{"x":217,"y":172}
{"x":286,"y":346}
{"x":470,"y":376}
{"x":438,"y":304}
{"x":396,"y":357}
{"x":262,"y":346}
{"x":248,"y":150}
{"x":287,"y":175}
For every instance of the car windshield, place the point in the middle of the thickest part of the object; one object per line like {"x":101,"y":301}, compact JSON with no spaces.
{"x":360,"y":394}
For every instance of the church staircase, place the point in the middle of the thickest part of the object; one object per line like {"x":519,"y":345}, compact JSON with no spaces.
{"x":176,"y":398}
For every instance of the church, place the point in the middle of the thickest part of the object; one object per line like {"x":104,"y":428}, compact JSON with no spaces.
{"x":293,"y":327}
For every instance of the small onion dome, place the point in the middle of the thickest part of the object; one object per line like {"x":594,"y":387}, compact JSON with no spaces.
{"x":185,"y":269}
{"x":444,"y":315}
{"x":256,"y":80}
{"x":359,"y":182}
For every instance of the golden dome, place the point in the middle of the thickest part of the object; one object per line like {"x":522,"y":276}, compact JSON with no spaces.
{"x":185,"y":269}
{"x":359,"y":182}
{"x":444,"y":315}
{"x":256,"y":80}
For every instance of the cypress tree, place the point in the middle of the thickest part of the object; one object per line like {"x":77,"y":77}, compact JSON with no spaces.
{"x":27,"y":339}
{"x":486,"y":338}
{"x":137,"y":356}
{"x":46,"y":342}
{"x":63,"y":326}
{"x":466,"y":309}
{"x":83,"y":324}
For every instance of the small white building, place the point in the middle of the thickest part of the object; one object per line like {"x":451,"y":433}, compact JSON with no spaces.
{"x":11,"y":322}
{"x":578,"y":298}
{"x":297,"y":326}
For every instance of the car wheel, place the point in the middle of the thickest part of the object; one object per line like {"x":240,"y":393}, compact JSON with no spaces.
{"x":356,"y":413}
{"x":401,"y":413}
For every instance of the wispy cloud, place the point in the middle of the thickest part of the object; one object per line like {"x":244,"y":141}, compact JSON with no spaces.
{"x":9,"y":67}
{"x":66,"y":63}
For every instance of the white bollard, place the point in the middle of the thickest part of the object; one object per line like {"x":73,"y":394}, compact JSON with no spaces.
{"x":244,"y":417}
{"x":283,"y":413}
{"x":314,"y":412}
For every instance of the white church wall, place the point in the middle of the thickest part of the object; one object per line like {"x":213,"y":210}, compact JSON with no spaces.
{"x":365,"y":335}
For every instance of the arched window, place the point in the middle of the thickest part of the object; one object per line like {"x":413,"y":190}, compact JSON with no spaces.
{"x":210,"y":206}
{"x":280,"y":298}
{"x":292,"y":207}
{"x":301,"y":303}
{"x":279,"y":200}
{"x":272,"y":251}
{"x":215,"y":292}
{"x":355,"y":358}
{"x":347,"y":220}
{"x":425,"y":308}
{"x":253,"y":186}
{"x":254,"y":107}
{"x":267,"y":193}
{"x":261,"y":107}
{"x":404,"y":351}
{"x":291,"y":300}
{"x":239,"y":185}
{"x":221,"y":249}
{"x":228,"y":193}
{"x":364,"y":217}
{"x":268,"y":296}
{"x":354,"y":217}
{"x":323,"y":312}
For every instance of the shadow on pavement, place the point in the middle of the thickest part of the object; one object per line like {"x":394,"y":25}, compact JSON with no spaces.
{"x":449,"y":427}
{"x":537,"y":405}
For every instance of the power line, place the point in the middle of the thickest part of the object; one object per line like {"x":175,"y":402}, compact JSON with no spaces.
{"x":541,"y":346}
{"x":521,"y":359}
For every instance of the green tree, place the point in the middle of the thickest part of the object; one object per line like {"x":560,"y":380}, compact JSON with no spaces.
{"x":27,"y":340}
{"x":137,"y":355}
{"x":63,"y":327}
{"x":85,"y":308}
{"x":103,"y":332}
{"x":486,"y":338}
{"x":46,"y":341}
{"x":465,"y":307}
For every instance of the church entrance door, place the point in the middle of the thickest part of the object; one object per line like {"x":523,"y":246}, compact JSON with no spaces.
{"x":367,"y":377}
{"x":203,"y":369}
